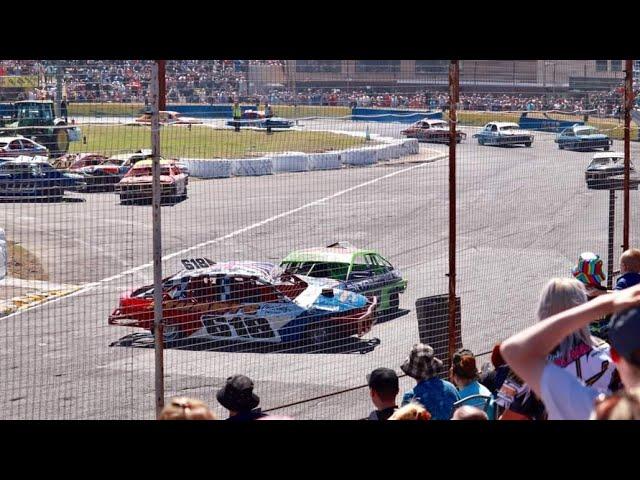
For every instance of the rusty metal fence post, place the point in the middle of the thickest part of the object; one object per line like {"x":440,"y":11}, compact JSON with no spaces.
{"x":453,"y":101}
{"x":157,"y":72}
{"x":628,"y":105}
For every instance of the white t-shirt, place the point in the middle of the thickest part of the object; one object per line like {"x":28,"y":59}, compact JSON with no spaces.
{"x":564,"y":396}
{"x":592,"y":365}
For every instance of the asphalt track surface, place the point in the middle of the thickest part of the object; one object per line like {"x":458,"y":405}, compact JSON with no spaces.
{"x":524,"y":215}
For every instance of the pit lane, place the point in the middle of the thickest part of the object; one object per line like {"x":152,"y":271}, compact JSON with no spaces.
{"x":524,"y":214}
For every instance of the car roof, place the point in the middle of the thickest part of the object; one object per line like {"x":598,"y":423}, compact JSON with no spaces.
{"x":148,"y":163}
{"x":505,"y":124}
{"x":433,"y":120}
{"x":263,"y":270}
{"x":608,"y":155}
{"x":25,"y":161}
{"x":10,"y":139}
{"x":339,"y":252}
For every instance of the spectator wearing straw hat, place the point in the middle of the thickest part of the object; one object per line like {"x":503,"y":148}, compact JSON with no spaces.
{"x":436,"y":395}
{"x":237,"y":396}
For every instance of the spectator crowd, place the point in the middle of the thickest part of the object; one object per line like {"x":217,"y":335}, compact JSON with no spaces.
{"x":580,"y":360}
{"x":224,"y":81}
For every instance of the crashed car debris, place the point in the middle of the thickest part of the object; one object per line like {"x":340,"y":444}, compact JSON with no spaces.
{"x":353,"y":269}
{"x":247,"y":301}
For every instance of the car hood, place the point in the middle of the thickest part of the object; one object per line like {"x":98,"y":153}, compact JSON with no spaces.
{"x":338,"y":301}
{"x":514,"y":132}
{"x":595,"y":136}
{"x":146,"y":179}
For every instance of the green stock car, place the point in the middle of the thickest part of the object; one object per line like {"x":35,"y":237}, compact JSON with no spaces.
{"x":356,"y":270}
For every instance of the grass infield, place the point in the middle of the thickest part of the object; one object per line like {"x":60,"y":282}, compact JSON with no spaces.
{"x":205,"y":142}
{"x":135,"y":109}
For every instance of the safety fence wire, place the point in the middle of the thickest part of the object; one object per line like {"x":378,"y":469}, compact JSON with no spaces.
{"x":305,"y":222}
{"x":530,"y":199}
{"x":73,"y":248}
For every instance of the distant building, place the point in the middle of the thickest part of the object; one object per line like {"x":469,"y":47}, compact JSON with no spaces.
{"x":482,"y":75}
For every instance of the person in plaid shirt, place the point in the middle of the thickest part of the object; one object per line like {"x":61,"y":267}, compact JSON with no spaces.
{"x":436,"y":395}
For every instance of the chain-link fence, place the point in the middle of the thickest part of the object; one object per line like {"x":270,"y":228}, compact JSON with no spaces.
{"x":303,"y":212}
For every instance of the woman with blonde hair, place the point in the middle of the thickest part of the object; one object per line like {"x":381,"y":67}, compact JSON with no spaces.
{"x":183,"y":408}
{"x":411,"y":411}
{"x":584,"y":356}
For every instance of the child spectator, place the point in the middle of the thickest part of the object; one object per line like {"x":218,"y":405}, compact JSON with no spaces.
{"x":629,"y":268}
{"x":564,"y":395}
{"x":183,"y":408}
{"x":434,"y":394}
{"x":464,"y":375}
{"x":411,"y":411}
{"x":467,"y":412}
{"x":237,"y":396}
{"x":590,"y":271}
{"x":383,"y":388}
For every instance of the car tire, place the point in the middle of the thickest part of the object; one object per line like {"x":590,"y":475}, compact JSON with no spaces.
{"x":394,"y":303}
{"x":560,"y":146}
{"x":606,"y":149}
{"x":480,"y":141}
{"x":527,"y":144}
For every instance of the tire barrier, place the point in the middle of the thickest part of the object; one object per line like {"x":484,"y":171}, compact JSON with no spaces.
{"x":203,"y":168}
{"x":290,"y":162}
{"x":245,"y":167}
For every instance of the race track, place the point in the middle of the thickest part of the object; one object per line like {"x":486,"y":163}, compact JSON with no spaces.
{"x":524,"y":215}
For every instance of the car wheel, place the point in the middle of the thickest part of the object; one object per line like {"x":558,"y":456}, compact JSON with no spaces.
{"x":394,"y":303}
{"x":560,"y":146}
{"x":606,"y":149}
{"x":527,"y":144}
{"x":480,"y":141}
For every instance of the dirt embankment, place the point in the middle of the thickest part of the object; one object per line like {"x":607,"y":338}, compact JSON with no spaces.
{"x":23,"y":264}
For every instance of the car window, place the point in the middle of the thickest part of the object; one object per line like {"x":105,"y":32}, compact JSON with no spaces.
{"x":205,"y":288}
{"x":15,"y":145}
{"x":3,"y":144}
{"x":26,"y":144}
{"x":568,"y":133}
{"x":241,"y":289}
{"x":376,"y":267}
{"x":494,"y":128}
{"x":382,"y":261}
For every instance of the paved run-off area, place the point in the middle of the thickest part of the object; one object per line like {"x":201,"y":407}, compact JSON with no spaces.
{"x":524,"y":214}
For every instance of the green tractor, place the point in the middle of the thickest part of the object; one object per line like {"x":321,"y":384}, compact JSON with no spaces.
{"x":35,"y":119}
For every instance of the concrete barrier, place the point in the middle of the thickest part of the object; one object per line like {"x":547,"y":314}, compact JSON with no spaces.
{"x":208,"y":168}
{"x":325,"y":161}
{"x":290,"y":162}
{"x":252,"y":166}
{"x":358,"y":157}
